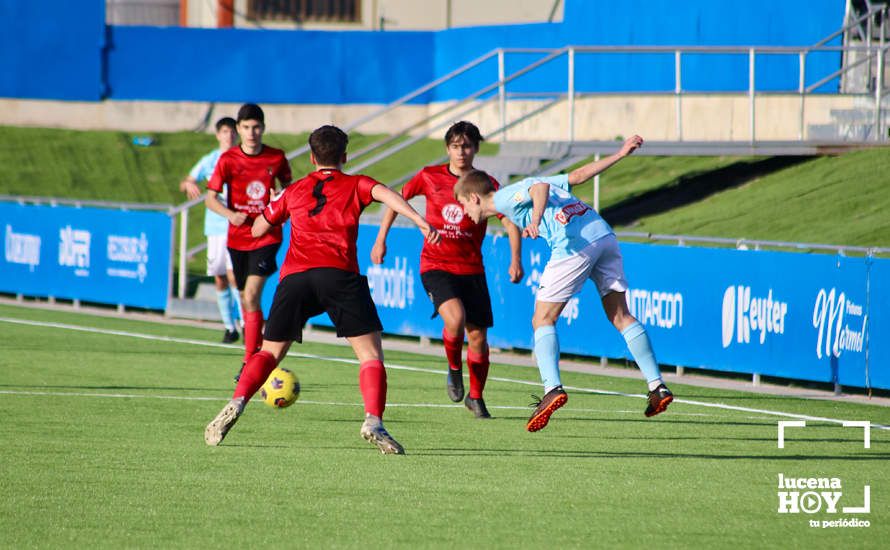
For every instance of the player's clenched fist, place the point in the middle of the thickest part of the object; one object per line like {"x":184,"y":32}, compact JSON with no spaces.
{"x":237,"y":218}
{"x":378,"y":252}
{"x":631,"y":144}
{"x":531,"y":231}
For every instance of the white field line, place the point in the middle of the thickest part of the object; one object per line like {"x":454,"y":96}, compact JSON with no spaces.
{"x":171,"y":339}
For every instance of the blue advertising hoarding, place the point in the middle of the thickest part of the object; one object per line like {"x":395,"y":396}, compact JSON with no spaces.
{"x":792,"y":315}
{"x":89,"y":254}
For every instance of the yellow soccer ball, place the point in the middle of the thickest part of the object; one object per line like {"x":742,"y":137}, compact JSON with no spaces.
{"x":281,"y":389}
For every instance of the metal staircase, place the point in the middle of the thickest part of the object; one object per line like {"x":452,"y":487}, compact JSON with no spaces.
{"x":866,"y":75}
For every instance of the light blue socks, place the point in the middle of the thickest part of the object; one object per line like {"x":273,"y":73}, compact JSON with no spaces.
{"x":641,"y":350}
{"x":235,"y":304}
{"x":547,"y":354}
{"x":224,"y":301}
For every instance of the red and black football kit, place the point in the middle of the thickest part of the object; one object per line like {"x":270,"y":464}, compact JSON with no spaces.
{"x":320,"y":271}
{"x":452,"y":268}
{"x":251,"y":179}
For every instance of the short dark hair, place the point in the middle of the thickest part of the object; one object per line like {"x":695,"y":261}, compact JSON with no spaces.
{"x":464,"y":129}
{"x":474,"y":181}
{"x":251,"y":111}
{"x":225,"y":121}
{"x":328,"y":144}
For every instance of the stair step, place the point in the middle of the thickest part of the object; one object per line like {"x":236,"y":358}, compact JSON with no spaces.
{"x":858,"y":116}
{"x":188,"y":308}
{"x":509,"y":164}
{"x":842,"y":132}
{"x":540,"y":149}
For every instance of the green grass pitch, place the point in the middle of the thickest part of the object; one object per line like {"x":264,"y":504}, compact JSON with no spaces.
{"x":101,"y":444}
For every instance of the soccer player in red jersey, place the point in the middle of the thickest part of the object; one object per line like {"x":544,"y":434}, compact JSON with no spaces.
{"x":250,"y":170}
{"x":452,"y":272}
{"x":320,"y":273}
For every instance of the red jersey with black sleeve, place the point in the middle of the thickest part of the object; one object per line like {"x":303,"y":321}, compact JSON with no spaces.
{"x":460,"y":250}
{"x":324,"y":209}
{"x":251,"y":179}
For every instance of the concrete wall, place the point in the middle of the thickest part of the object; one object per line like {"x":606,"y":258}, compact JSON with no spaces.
{"x":724,"y":117}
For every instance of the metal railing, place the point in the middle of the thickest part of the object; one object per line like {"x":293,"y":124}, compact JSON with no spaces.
{"x":755,"y":244}
{"x":416,"y":129}
{"x":79,"y":203}
{"x":185,"y":253}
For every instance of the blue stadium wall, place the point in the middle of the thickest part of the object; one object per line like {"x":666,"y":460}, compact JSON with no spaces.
{"x":56,"y":49}
{"x":52,"y":49}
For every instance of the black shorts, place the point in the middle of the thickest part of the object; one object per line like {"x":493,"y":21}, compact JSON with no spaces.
{"x":344,"y":295}
{"x":253,"y":262}
{"x":472,"y":290}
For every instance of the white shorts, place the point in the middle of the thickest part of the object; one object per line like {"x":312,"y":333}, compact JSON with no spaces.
{"x":600,"y":262}
{"x":218,"y":259}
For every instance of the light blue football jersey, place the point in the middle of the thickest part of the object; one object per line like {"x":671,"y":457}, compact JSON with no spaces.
{"x":214,"y":224}
{"x":568,"y":224}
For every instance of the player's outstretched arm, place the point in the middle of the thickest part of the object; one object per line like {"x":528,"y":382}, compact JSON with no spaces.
{"x":515,"y":235}
{"x":584,"y":173}
{"x":539,"y":193}
{"x":395,"y":202}
{"x":212,"y":203}
{"x":378,"y":251}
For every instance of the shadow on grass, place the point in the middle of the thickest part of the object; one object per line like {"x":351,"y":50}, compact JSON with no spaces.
{"x":316,"y":388}
{"x":109,"y":388}
{"x":692,"y":188}
{"x":255,"y":446}
{"x":664,"y":420}
{"x":623,"y":455}
{"x":851,"y":441}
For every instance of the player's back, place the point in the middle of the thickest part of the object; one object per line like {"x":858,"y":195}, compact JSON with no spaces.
{"x":324,"y":210}
{"x":568,"y":224}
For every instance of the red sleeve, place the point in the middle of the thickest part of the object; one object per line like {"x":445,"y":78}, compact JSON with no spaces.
{"x":220,"y":175}
{"x":284,"y":173}
{"x":414,"y":186}
{"x":276,"y":211}
{"x":365,"y":184}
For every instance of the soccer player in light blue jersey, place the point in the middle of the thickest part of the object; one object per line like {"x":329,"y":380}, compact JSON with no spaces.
{"x":583,"y":246}
{"x":219,"y":264}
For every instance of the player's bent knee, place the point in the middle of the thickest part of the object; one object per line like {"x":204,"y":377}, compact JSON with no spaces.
{"x":543,"y":320}
{"x":477,"y":338}
{"x":277,"y":349}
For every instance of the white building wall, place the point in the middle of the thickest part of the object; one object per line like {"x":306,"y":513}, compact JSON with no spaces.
{"x":716,"y":117}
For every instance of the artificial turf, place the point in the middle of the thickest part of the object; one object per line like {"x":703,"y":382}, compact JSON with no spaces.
{"x":102,"y":446}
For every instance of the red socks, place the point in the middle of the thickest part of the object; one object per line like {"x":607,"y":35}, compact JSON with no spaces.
{"x":453,"y":347}
{"x":372,"y":383}
{"x":254,"y":375}
{"x":253,"y":332}
{"x":477,"y":364}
